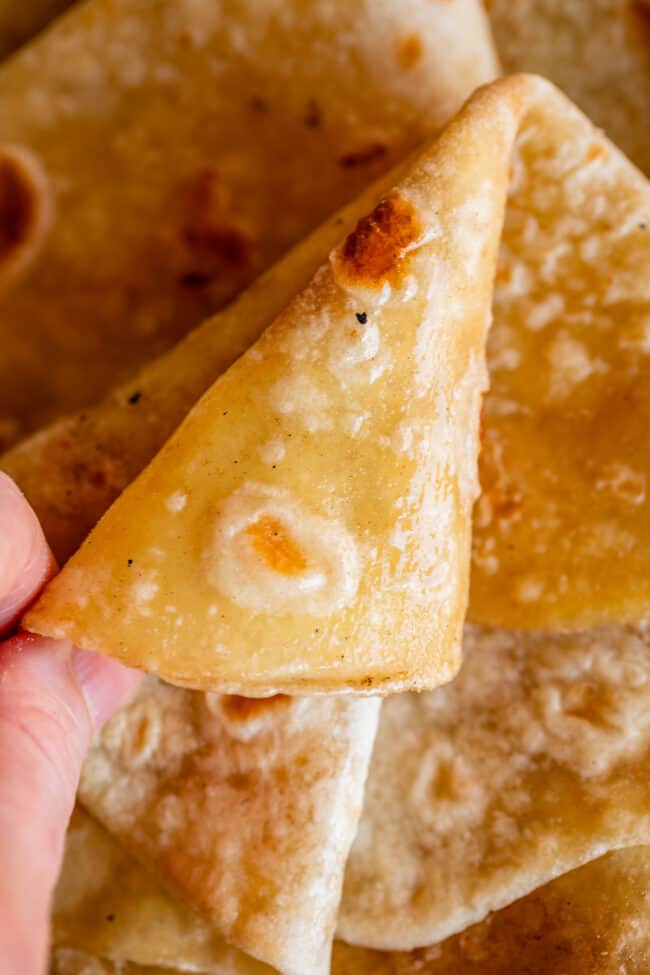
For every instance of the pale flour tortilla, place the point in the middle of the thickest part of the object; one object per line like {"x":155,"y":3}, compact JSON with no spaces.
{"x":532,"y":762}
{"x":68,"y":961}
{"x":597,"y":51}
{"x":592,"y":921}
{"x":106,"y":904}
{"x":245,"y":807}
{"x":183,"y":147}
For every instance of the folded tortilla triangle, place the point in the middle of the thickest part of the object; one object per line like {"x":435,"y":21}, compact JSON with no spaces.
{"x":106,"y":904}
{"x":307,"y":527}
{"x":564,"y":363}
{"x":594,"y":919}
{"x":180,"y":149}
{"x":246,"y":808}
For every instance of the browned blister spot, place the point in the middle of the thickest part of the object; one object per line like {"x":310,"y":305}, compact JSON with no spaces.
{"x":363,"y":157}
{"x":276,"y":547}
{"x":374,"y":251}
{"x":212,"y":241}
{"x":638,"y":22}
{"x":242,"y":710}
{"x":18,"y":206}
{"x":596,"y":151}
{"x":500,"y":501}
{"x":408,"y":51}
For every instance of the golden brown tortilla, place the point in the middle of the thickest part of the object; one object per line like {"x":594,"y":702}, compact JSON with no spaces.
{"x":184,"y":147}
{"x":271,"y":557}
{"x":567,"y":357}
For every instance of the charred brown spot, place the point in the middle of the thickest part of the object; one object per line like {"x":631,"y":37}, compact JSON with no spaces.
{"x":313,"y":114}
{"x":362,"y":157}
{"x":276,"y":547}
{"x":210,"y":239}
{"x":226,"y":246}
{"x":18,"y":206}
{"x":375,"y":249}
{"x":258,"y":104}
{"x":408,"y":51}
{"x":242,"y":710}
{"x":501,"y":500}
{"x":639,"y":22}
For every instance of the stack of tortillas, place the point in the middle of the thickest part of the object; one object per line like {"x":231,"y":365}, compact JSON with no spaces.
{"x":377,"y":529}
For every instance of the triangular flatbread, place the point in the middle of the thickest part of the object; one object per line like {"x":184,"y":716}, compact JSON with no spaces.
{"x":247,"y":808}
{"x":106,"y":904}
{"x":532,"y":762}
{"x":186,"y":146}
{"x":272,"y":555}
{"x":541,"y":557}
{"x":562,"y":531}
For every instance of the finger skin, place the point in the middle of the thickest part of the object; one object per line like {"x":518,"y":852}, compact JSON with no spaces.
{"x":52,"y":698}
{"x":25,"y":558}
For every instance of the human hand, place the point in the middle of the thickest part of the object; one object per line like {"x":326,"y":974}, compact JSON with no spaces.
{"x":52,"y":699}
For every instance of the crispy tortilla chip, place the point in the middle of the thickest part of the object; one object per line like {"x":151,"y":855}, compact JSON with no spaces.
{"x":260,"y":551}
{"x":597,"y":51}
{"x":532,"y":762}
{"x":184,"y":147}
{"x":106,"y":904}
{"x":246,"y":807}
{"x":20,"y":20}
{"x":592,"y":921}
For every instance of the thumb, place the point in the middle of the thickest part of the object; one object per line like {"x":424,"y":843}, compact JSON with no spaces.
{"x":52,"y":698}
{"x":25,"y":558}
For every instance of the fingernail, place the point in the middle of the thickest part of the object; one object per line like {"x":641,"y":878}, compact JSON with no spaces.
{"x":25,"y":558}
{"x":105,"y":683}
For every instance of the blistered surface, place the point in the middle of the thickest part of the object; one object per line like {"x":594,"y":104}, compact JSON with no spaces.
{"x":597,"y":51}
{"x":592,"y":921}
{"x":528,"y":764}
{"x":212,"y":792}
{"x":561,"y":529}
